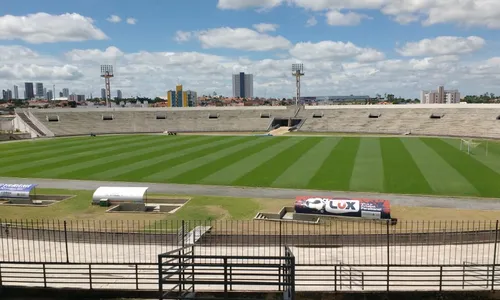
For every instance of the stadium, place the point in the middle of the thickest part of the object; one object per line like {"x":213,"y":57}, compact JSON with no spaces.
{"x":235,"y":173}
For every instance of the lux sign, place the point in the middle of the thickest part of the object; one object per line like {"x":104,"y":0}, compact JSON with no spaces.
{"x":342,"y":206}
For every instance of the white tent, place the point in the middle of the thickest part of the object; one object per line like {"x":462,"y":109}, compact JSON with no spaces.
{"x":120,"y":194}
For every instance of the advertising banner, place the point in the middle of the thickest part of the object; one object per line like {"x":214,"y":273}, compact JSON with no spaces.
{"x":8,"y":190}
{"x":344,"y":207}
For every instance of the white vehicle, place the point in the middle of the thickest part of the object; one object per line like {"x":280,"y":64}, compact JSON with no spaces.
{"x":318,"y":204}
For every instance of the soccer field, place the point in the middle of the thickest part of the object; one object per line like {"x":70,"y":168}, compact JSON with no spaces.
{"x":376,"y":164}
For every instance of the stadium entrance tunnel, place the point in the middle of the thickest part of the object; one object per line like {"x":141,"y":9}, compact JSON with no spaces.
{"x":285,"y":122}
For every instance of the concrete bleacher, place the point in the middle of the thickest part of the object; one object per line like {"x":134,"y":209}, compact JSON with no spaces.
{"x":464,"y":120}
{"x":150,"y":120}
{"x":474,"y":120}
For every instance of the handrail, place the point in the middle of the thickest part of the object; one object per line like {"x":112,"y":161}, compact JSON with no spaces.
{"x":40,"y":125}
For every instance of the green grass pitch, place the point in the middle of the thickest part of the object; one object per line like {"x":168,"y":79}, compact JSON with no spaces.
{"x":373,"y":164}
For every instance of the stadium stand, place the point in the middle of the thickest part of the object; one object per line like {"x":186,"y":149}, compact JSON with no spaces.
{"x":464,"y":120}
{"x":65,"y":122}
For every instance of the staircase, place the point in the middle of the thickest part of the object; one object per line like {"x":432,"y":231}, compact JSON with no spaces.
{"x":30,"y":124}
{"x":279,"y":131}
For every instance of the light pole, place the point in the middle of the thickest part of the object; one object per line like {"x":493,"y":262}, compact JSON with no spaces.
{"x":107,"y":74}
{"x":297,"y":71}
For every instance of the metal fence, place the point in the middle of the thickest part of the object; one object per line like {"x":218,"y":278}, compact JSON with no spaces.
{"x":337,"y":242}
{"x":328,"y":278}
{"x":182,"y":271}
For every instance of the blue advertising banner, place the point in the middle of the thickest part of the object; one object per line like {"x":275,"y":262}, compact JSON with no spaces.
{"x":8,"y":190}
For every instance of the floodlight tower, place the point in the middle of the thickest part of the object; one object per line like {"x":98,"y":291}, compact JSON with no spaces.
{"x":297,"y":71}
{"x":107,"y":74}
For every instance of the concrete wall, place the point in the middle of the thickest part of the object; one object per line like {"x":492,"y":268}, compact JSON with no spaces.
{"x":7,"y":124}
{"x":21,"y":126}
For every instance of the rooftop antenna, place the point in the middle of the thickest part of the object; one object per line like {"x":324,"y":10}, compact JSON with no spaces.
{"x":297,"y":71}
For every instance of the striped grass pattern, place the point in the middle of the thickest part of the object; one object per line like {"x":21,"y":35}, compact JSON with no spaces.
{"x":407,"y":165}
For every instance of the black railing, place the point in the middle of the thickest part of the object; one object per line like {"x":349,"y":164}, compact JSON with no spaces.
{"x":240,"y":274}
{"x":79,"y":276}
{"x":352,"y":242}
{"x":182,"y":272}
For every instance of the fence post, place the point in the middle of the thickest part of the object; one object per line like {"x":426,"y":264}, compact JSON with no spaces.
{"x":225,"y":277}
{"x":66,"y":241}
{"x":136,"y":277}
{"x":280,"y":279}
{"x":44,"y":276}
{"x":281,"y":241}
{"x":292,"y":279}
{"x":183,"y":233}
{"x":388,"y":252}
{"x":440,"y":278}
{"x":160,"y":276}
{"x":463,"y":276}
{"x":335,"y":278}
{"x":494,"y":258}
{"x":231,"y":278}
{"x":90,"y":276}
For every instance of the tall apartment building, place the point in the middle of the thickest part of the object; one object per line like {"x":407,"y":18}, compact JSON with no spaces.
{"x":50,"y":95}
{"x":181,"y":98}
{"x":28,"y":90}
{"x":119,"y":94}
{"x":39,"y":90}
{"x":16,"y":92}
{"x":103,"y":94}
{"x":65,"y":92}
{"x":243,"y":85}
{"x":6,"y":95}
{"x":440,"y":96}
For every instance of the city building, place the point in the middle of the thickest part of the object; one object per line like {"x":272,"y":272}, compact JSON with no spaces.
{"x":440,"y":96}
{"x":243,"y":85}
{"x":45,"y":93}
{"x":61,"y":95}
{"x":16,"y":92}
{"x":103,"y":94}
{"x":180,"y":98}
{"x":65,"y":92}
{"x":6,"y":95}
{"x":50,"y":95}
{"x":39,"y":90}
{"x":28,"y":90}
{"x":119,"y":94}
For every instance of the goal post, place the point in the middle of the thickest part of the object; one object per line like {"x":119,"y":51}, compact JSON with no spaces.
{"x":469,"y":145}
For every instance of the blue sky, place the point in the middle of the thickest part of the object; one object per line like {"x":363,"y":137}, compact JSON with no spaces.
{"x":222,"y":39}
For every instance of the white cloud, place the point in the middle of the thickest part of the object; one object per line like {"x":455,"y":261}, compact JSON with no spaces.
{"x":114,"y":19}
{"x":131,"y":21}
{"x":442,"y":45}
{"x":311,"y":21}
{"x":242,"y":39}
{"x":336,"y":18}
{"x":45,"y":28}
{"x":111,"y":53}
{"x":330,"y":50}
{"x":265,"y":27}
{"x":332,"y":68}
{"x":243,"y":4}
{"x":183,"y":36}
{"x":483,"y":13}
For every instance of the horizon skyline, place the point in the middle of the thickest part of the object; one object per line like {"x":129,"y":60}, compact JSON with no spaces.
{"x":347,"y":47}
